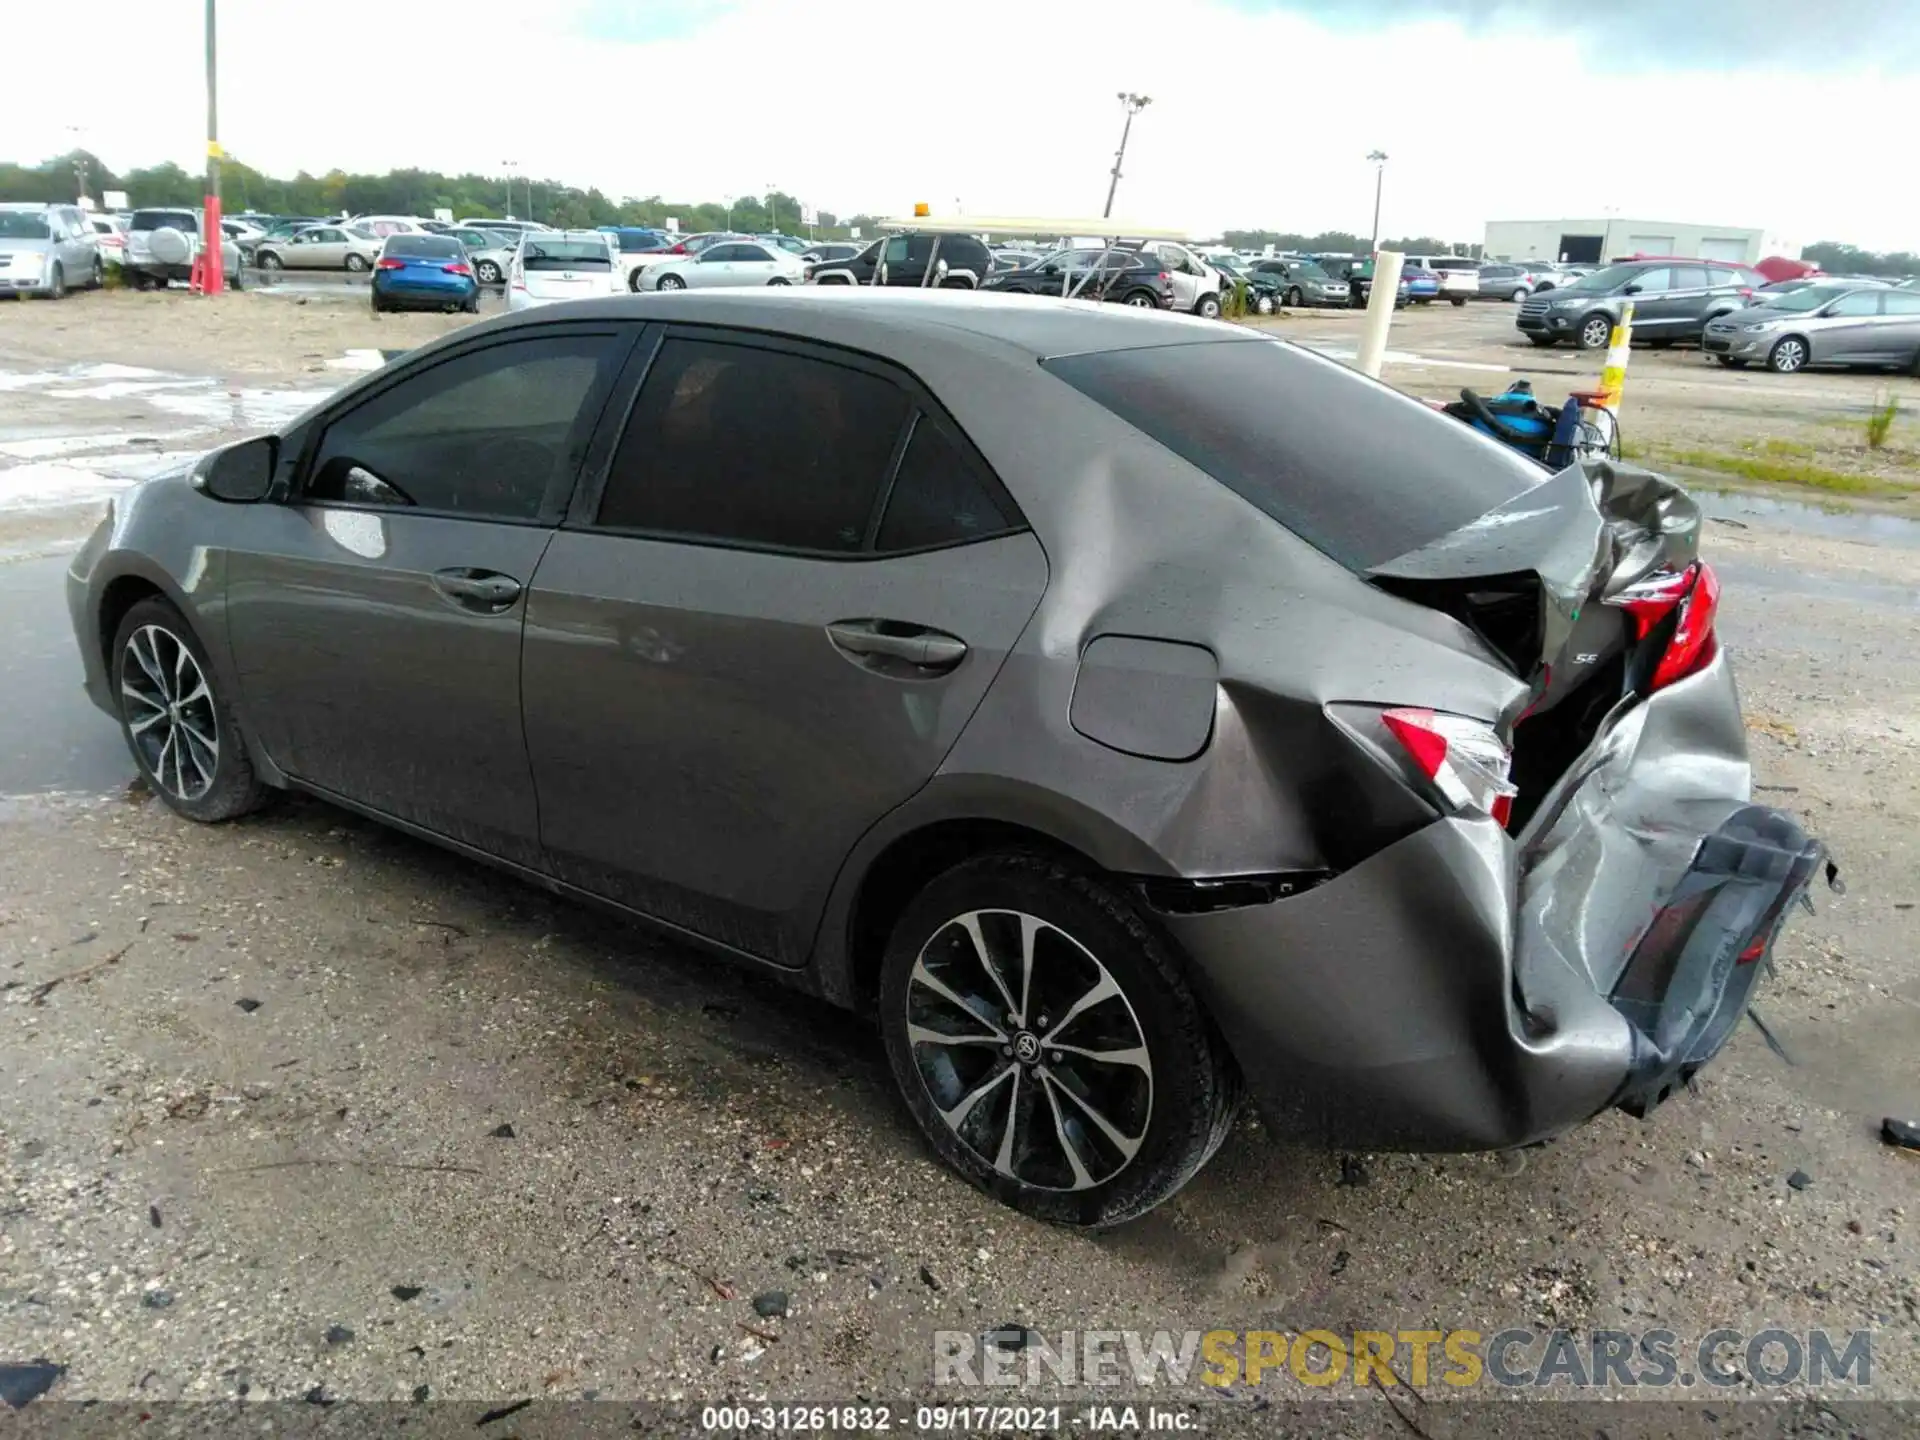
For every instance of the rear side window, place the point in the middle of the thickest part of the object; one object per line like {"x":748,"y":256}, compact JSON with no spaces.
{"x":165,"y":220}
{"x":425,"y":247}
{"x":758,"y":447}
{"x":492,"y":433}
{"x":1351,"y":466}
{"x":938,"y":496}
{"x":543,"y":254}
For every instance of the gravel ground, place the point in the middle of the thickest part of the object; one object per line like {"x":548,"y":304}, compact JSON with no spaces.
{"x":298,"y":1107}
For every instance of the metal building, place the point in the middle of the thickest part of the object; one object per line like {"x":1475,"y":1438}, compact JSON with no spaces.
{"x":1617,"y":237}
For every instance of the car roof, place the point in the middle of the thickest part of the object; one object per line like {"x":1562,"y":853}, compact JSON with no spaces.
{"x":877,"y":317}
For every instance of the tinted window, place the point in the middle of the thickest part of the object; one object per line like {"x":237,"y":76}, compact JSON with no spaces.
{"x":1719,"y":275}
{"x":1657,"y":279}
{"x":1900,"y":302}
{"x":761,"y":447}
{"x":1860,"y":302}
{"x":1351,"y":466}
{"x":427,"y":247}
{"x":23,"y":225}
{"x":1689,"y":277}
{"x":487,"y":434}
{"x":539,"y":253}
{"x":165,"y":220}
{"x":938,"y":497}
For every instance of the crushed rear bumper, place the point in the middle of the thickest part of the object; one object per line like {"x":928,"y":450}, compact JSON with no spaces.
{"x":1466,"y":989}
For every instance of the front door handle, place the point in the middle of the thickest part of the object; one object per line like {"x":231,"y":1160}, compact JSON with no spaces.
{"x":487,"y":591}
{"x":916,"y":645}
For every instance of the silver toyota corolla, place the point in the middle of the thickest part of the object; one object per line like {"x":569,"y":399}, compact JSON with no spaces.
{"x":1124,"y":710}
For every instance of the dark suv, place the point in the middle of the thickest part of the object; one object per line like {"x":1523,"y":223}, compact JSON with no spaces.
{"x":906,"y":257}
{"x":1128,"y":277}
{"x":1298,"y":282}
{"x":1672,"y":300}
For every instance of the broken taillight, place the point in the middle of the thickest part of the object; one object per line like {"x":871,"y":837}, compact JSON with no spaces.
{"x":1692,"y":599}
{"x":1464,"y":759}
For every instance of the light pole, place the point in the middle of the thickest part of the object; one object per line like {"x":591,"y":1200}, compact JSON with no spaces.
{"x":212,"y":241}
{"x":1134,"y":105}
{"x":510,"y":166}
{"x":773,"y":210}
{"x":1379,"y":159}
{"x":728,"y":227}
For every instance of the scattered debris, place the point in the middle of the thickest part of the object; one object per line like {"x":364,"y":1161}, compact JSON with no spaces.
{"x":850,"y":1257}
{"x":716,"y":1355}
{"x":153,"y":1216}
{"x":502,"y":1413}
{"x":318,"y":1396}
{"x":1010,"y":1337}
{"x":356,"y":1164}
{"x":85,"y":973}
{"x":1903,"y":1133}
{"x":770,"y":1304}
{"x":719,"y":1287}
{"x":501,"y":1132}
{"x":929,"y":1279}
{"x":338,"y":1335}
{"x":248,"y":1004}
{"x":157,"y":1299}
{"x":404,"y":1293}
{"x":1353,"y":1171}
{"x":1340,"y":1259}
{"x":420,"y":1393}
{"x":757,"y":1334}
{"x":1799,"y":1180}
{"x":185,"y":937}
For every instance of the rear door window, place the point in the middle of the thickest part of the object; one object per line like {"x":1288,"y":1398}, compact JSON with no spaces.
{"x":1351,"y":466}
{"x":939,"y":496}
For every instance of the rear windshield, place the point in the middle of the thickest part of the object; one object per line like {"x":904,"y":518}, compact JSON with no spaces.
{"x":22,"y":225}
{"x":427,"y":247}
{"x":539,"y":254}
{"x":164,"y":220}
{"x":1351,"y":466}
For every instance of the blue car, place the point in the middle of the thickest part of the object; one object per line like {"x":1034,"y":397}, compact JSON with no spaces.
{"x":1423,"y":285}
{"x":637,"y":239}
{"x":424,"y":272}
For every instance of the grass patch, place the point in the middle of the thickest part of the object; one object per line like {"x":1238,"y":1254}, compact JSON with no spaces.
{"x":1780,"y":449}
{"x":1771,"y":469}
{"x":1880,"y":419}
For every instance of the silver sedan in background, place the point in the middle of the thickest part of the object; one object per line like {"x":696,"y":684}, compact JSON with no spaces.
{"x":734,"y":262}
{"x":1840,"y":323}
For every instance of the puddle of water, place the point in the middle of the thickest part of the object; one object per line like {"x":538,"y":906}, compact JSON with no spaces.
{"x":46,"y":486}
{"x":1873,"y":526}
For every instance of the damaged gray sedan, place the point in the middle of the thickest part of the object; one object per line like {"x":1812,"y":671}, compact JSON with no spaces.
{"x":1129,"y":712}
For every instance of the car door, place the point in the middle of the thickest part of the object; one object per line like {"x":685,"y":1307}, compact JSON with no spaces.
{"x":753,"y":264}
{"x":1899,"y":342}
{"x":77,"y":246}
{"x":1689,"y":297}
{"x":764,"y":631}
{"x":1847,"y":330}
{"x":325,"y":249}
{"x":1184,"y":275}
{"x":374,"y":615}
{"x":1652,"y":304}
{"x":712,"y":267}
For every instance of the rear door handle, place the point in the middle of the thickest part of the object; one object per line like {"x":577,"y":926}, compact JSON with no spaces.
{"x":487,"y":591}
{"x":898,"y":640}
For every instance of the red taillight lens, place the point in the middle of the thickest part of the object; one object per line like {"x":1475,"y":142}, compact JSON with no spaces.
{"x":1165,"y":277}
{"x":459,"y":267}
{"x":389,"y":263}
{"x":1695,"y":594}
{"x":1465,"y":759}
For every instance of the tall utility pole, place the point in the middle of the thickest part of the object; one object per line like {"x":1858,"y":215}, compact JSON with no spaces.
{"x":773,"y":209}
{"x":1134,"y":105}
{"x":1379,"y":159}
{"x":213,"y":276}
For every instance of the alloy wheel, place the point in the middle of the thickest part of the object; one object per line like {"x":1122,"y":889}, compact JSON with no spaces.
{"x":672,"y":282}
{"x":1142,"y":301}
{"x":170,"y":712}
{"x":1029,"y":1049}
{"x":1595,"y":333}
{"x":488,"y":273}
{"x":1788,"y":356}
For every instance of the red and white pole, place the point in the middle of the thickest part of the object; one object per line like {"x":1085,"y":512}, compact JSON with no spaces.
{"x":212,"y":237}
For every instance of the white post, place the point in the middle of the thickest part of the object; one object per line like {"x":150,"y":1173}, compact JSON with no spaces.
{"x":1373,"y":326}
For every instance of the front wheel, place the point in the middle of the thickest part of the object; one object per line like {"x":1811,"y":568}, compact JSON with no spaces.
{"x":1594,"y":332}
{"x":180,"y":729}
{"x":269,"y":262}
{"x":1293,"y":298}
{"x":1047,"y":1043}
{"x":1263,"y":305}
{"x":672,"y":282}
{"x":487,"y":273}
{"x":57,"y":283}
{"x":99,"y":276}
{"x":356,"y":264}
{"x":1788,"y":355}
{"x":1208,"y":308}
{"x":1518,"y":296}
{"x":779,"y":280}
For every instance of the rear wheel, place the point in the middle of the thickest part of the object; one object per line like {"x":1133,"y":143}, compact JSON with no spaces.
{"x":57,"y":283}
{"x":1594,"y":332}
{"x":356,"y":263}
{"x":1143,"y":300}
{"x":672,"y":282}
{"x":1047,"y":1043}
{"x":269,"y":261}
{"x":99,"y":276}
{"x":1789,"y":354}
{"x":487,"y":273}
{"x":180,"y":729}
{"x":1518,"y":295}
{"x":1208,"y":308}
{"x":1458,"y":299}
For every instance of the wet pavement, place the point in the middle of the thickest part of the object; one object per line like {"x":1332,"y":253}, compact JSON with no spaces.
{"x":52,"y":741}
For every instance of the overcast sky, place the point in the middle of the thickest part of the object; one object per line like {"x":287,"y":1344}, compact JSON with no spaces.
{"x":1263,"y":110}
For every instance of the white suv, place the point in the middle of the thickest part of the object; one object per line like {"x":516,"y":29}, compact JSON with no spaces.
{"x":1459,"y":275}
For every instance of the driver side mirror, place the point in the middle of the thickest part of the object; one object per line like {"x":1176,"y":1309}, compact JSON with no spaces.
{"x":240,"y":474}
{"x":1049,"y":269}
{"x":1631,"y":290}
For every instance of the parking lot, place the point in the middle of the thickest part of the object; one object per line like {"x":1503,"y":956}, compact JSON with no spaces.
{"x":301,"y":1107}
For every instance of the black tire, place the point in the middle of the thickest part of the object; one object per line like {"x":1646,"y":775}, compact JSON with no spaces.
{"x":379,"y":305}
{"x":1208,"y":307}
{"x":1543,"y":341}
{"x":779,"y":280}
{"x":231,"y":788}
{"x":633,"y":280}
{"x":1594,"y":331}
{"x":1788,"y":355}
{"x":1176,"y":1115}
{"x":1520,"y":293}
{"x":672,"y":282}
{"x":1731,"y":362}
{"x":472,"y":307}
{"x":1143,"y":300}
{"x":356,"y":264}
{"x":98,"y":279}
{"x":1457,"y":300}
{"x":487,"y":273}
{"x":57,"y":286}
{"x":1293,"y":297}
{"x":269,"y":261}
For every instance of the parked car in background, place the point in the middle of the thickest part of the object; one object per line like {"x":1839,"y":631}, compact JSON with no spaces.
{"x":289,"y":225}
{"x":162,"y":244}
{"x":792,"y":244}
{"x":1423,"y":286}
{"x":638,"y":239}
{"x":479,"y":222}
{"x":828,"y":251}
{"x":110,"y":234}
{"x":1672,"y":300}
{"x":424,"y":272}
{"x":1506,"y":280}
{"x":47,"y":250}
{"x":905,"y":257}
{"x":1359,"y":277}
{"x":693,"y":244}
{"x":1124,"y":277}
{"x":732,"y":262}
{"x":488,"y":251}
{"x":1118,"y":711}
{"x":381,"y":226}
{"x":554,"y":265}
{"x":320,"y":247}
{"x":1831,"y":323}
{"x":1459,"y":275}
{"x":1197,"y":286}
{"x":1294,"y":283}
{"x":1009,"y":259}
